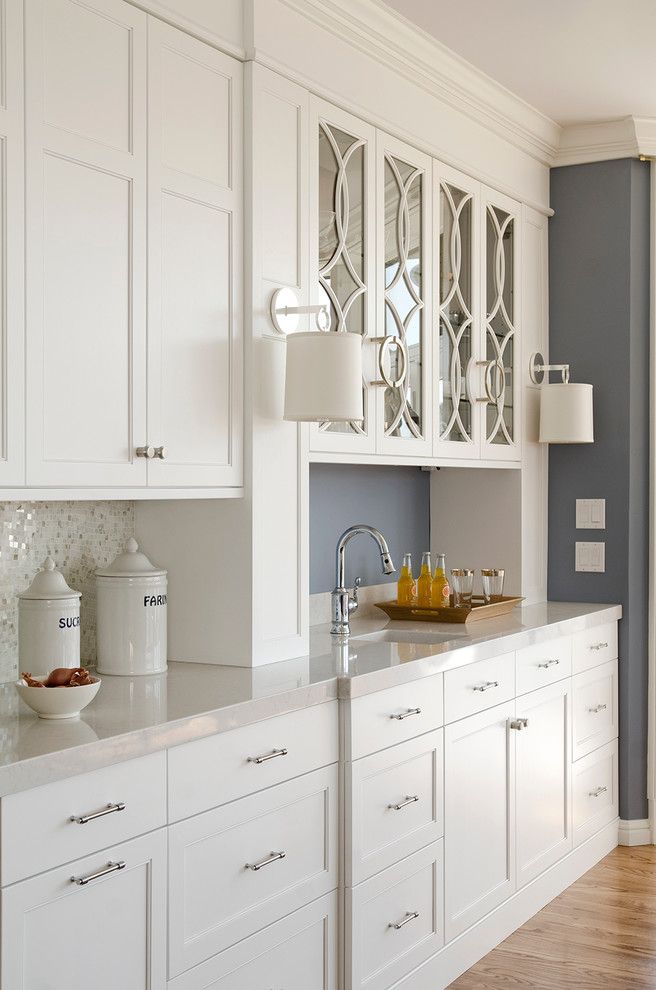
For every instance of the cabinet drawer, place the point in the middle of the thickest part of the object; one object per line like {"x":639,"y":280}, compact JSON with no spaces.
{"x":238,"y":868}
{"x":394,"y":921}
{"x":396,"y":800}
{"x":297,"y":953}
{"x":595,"y":719}
{"x":594,"y":784}
{"x":543,"y":664}
{"x":594,"y":646}
{"x":478,"y":686}
{"x":46,"y":826}
{"x":213,"y":771}
{"x":388,"y":717}
{"x":108,"y":933}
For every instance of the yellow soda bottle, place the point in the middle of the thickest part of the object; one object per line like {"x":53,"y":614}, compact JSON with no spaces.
{"x":406,"y":584}
{"x":425,"y":582}
{"x":441,"y":592}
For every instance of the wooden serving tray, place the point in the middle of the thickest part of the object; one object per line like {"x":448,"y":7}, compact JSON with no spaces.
{"x":479,"y":610}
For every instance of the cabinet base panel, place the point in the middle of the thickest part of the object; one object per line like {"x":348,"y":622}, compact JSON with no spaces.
{"x":461,"y":954}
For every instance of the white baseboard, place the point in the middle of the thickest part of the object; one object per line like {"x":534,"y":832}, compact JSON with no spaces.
{"x":635,"y":832}
{"x":458,"y":956}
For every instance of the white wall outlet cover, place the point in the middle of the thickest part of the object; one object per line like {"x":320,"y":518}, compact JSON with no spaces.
{"x":591,"y":513}
{"x":591,"y":557}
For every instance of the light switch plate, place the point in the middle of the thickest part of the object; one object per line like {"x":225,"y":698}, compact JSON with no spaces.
{"x":591,"y":557}
{"x":591,"y":513}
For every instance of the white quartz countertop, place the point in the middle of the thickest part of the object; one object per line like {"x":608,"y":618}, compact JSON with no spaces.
{"x":132,"y":716}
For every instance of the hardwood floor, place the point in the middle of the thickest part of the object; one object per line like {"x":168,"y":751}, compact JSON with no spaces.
{"x":599,"y":935}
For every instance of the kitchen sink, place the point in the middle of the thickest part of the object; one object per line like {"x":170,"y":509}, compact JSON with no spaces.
{"x":408,"y":636}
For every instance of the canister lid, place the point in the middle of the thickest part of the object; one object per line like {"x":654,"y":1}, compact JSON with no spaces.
{"x":49,"y":584}
{"x":131,"y":563}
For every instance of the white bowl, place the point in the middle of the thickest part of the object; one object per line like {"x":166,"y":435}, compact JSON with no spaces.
{"x":59,"y":702}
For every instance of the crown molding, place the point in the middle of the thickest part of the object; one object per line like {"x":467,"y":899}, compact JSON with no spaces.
{"x":381,"y":33}
{"x":628,"y":137}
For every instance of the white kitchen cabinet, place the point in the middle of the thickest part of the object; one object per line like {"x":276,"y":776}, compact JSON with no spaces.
{"x":403,"y":298}
{"x":100,"y":921}
{"x":501,"y":312}
{"x":395,"y":920}
{"x":479,"y":816}
{"x":543,"y":769}
{"x":297,"y":953}
{"x":85,"y":98}
{"x":194,"y":261}
{"x":134,"y":210}
{"x":343,"y":250}
{"x":241,"y":867}
{"x":12,"y":364}
{"x":457,"y":304}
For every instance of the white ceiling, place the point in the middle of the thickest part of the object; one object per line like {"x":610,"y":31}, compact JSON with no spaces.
{"x":575,"y":60}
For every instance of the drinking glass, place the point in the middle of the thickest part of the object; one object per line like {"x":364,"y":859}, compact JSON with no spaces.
{"x":462,"y":585}
{"x":492,"y":584}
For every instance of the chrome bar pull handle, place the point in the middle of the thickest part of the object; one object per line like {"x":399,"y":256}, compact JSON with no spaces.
{"x":273,"y":755}
{"x":599,"y":646}
{"x":486,"y":686}
{"x":267,"y":861}
{"x":109,"y":810}
{"x":406,"y":714}
{"x":409,"y":799}
{"x":598,"y":791}
{"x":409,"y":916}
{"x":110,"y":868}
{"x":597,"y":709}
{"x":519,"y":724}
{"x":547,"y":664}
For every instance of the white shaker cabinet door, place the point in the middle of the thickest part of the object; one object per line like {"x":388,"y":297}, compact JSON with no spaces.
{"x":478,"y":816}
{"x":543,"y":774}
{"x":98,"y":922}
{"x":12,"y":372}
{"x":194,"y":261}
{"x":85,"y":90}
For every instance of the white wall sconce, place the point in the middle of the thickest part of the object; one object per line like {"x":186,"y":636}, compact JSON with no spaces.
{"x":565,"y":407}
{"x":323,"y":370}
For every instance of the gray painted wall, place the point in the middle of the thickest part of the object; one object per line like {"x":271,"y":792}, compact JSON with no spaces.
{"x":599,"y":323}
{"x":394,"y":499}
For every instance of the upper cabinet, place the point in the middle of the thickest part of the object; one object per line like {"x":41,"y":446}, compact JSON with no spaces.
{"x":476,"y":369}
{"x":134,"y":221}
{"x":194,"y":249}
{"x":403,"y":413}
{"x":85,"y":96}
{"x":501,"y":307}
{"x":423,"y":262}
{"x":343,"y":256}
{"x":12,"y":400}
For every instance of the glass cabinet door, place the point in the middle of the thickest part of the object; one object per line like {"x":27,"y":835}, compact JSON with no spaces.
{"x":402,"y":362}
{"x":456,"y":236}
{"x":343,"y":178}
{"x":500,"y":365}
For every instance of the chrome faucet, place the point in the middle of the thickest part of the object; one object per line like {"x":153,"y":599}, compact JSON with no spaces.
{"x":345,"y":600}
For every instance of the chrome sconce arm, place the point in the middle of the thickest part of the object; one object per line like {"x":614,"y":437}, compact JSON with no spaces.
{"x":537,"y":369}
{"x":285,"y":310}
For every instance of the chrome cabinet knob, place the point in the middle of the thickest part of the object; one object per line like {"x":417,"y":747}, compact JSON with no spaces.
{"x":519,"y":724}
{"x":150,"y":452}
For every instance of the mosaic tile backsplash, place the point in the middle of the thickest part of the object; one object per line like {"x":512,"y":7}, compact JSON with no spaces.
{"x":79,"y":536}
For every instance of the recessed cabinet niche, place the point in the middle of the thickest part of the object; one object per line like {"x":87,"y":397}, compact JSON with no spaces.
{"x":133,"y":252}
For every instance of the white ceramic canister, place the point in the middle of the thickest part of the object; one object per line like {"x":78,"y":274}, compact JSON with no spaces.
{"x":131,"y":615}
{"x":48,"y":623}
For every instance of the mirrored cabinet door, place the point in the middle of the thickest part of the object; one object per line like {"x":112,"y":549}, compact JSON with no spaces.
{"x":402,"y":343}
{"x":456,"y":244}
{"x":501,"y":231}
{"x":342,"y":180}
